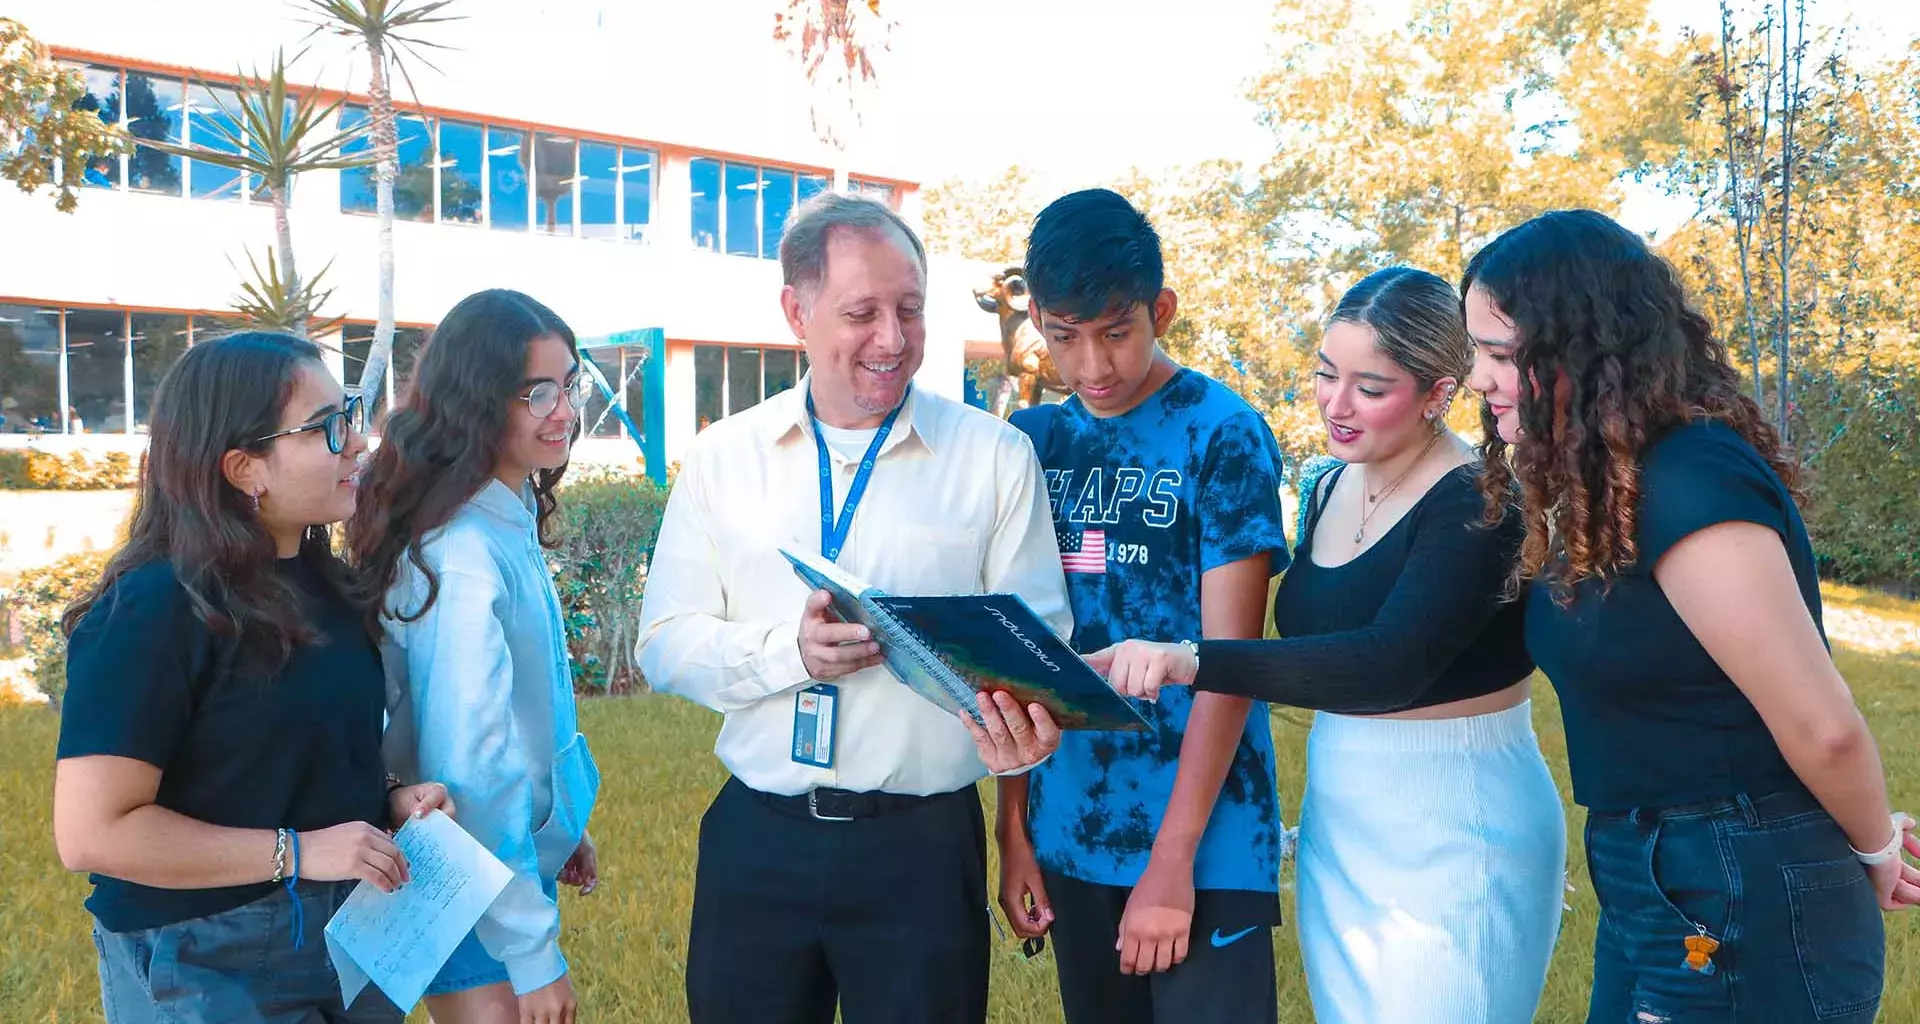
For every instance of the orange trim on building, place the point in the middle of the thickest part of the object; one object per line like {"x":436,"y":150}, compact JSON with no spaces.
{"x":16,"y":300}
{"x":67,"y":53}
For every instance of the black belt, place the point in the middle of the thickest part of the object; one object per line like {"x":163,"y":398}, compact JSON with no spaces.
{"x":842,"y":804}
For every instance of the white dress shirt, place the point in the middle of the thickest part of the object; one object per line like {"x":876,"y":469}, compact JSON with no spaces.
{"x":480,"y":697}
{"x":955,"y":505}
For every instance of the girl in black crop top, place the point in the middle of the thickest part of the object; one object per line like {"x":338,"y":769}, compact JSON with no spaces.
{"x":1676,"y":608}
{"x":1395,"y":623}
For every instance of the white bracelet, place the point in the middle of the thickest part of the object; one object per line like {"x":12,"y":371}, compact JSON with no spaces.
{"x":1901,"y":823}
{"x":1194,"y":650}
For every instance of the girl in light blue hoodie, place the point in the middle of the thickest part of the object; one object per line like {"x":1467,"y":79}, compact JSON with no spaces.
{"x":447,"y":539}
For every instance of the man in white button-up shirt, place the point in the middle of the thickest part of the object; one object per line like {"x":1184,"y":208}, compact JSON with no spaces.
{"x":854,"y":875}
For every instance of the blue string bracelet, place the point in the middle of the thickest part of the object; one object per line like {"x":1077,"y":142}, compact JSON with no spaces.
{"x":299,"y":912}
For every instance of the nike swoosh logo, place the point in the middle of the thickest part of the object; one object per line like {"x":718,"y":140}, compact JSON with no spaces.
{"x":1228,"y":940}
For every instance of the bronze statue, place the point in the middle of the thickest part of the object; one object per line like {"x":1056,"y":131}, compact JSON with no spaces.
{"x":1027,"y":370}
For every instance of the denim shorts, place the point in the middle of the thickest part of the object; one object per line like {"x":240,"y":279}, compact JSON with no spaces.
{"x":471,"y":966}
{"x":1771,"y":879}
{"x":235,"y":967}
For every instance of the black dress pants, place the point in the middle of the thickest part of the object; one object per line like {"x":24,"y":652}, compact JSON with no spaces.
{"x":884,"y":915}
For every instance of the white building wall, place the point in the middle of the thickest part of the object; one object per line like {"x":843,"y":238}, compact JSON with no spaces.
{"x":122,"y":248}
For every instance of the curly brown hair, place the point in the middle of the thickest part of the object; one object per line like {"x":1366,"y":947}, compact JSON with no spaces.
{"x":1616,"y":357}
{"x":443,"y":443}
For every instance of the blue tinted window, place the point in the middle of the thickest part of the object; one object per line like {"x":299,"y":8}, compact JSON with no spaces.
{"x":413,"y":189}
{"x":103,"y":98}
{"x":214,"y":124}
{"x":599,"y":190}
{"x":743,"y":203}
{"x":636,"y":192}
{"x":811,"y":185}
{"x":154,"y":111}
{"x":554,"y":181}
{"x":96,"y":371}
{"x":780,"y":371}
{"x":356,"y":183}
{"x":29,"y":370}
{"x":462,"y":162}
{"x":709,"y":385}
{"x":776,"y":202}
{"x":872,"y":190}
{"x":743,"y":379}
{"x":157,"y":340}
{"x":706,"y":202}
{"x":507,"y":179}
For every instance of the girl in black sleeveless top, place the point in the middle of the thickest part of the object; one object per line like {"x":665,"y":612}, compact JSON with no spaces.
{"x":1432,"y":842}
{"x":1676,"y":608}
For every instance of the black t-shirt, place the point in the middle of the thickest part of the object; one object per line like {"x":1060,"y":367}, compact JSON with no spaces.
{"x":147,"y":680}
{"x":1651,"y":719}
{"x":1419,"y":618}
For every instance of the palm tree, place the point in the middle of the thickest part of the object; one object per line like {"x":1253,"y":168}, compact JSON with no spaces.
{"x":269,"y":302}
{"x":275,"y":135}
{"x":385,"y":29}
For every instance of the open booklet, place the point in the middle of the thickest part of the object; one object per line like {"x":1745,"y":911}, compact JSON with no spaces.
{"x":948,"y":649}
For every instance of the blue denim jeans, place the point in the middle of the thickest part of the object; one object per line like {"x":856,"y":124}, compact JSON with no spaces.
{"x":235,"y":967}
{"x":1770,"y":878}
{"x":470,"y":966}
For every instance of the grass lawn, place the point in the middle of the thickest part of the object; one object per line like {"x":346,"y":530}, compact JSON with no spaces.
{"x":627,"y":942}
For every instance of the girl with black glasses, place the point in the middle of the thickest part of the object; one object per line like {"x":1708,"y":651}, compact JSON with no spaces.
{"x":219,"y":760}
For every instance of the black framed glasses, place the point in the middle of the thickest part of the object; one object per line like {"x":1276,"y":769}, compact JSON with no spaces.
{"x":351,"y":415}
{"x":544,"y":398}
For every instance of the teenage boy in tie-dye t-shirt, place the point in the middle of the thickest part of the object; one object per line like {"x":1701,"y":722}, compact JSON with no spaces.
{"x":1150,"y":858}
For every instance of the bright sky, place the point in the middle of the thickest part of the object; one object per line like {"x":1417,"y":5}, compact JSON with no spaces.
{"x":1076,"y":91}
{"x":1090,"y":88}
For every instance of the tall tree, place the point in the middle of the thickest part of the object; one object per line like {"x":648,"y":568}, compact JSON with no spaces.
{"x":46,"y":137}
{"x":1784,"y":166}
{"x":388,"y":31}
{"x":275,"y":134}
{"x":1416,"y":142}
{"x":984,"y":220}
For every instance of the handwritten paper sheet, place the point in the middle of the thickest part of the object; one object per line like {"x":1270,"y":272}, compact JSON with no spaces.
{"x":400,"y":940}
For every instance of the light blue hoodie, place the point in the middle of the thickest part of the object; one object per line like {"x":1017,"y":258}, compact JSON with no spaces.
{"x":480,"y":697}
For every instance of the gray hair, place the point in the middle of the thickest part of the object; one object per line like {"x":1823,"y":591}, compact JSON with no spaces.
{"x":803,"y":246}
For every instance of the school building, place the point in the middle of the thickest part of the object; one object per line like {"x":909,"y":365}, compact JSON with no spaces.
{"x":648,"y":223}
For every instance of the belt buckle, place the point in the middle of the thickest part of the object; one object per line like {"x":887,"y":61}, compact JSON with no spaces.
{"x":813,"y":808}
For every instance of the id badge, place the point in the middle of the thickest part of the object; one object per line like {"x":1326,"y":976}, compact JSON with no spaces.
{"x":814,"y":709}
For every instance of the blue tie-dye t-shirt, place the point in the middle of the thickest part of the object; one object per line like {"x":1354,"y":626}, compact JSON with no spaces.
{"x":1143,"y":504}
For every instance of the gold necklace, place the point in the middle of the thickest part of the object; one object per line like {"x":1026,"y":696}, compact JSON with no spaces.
{"x":1374,"y":499}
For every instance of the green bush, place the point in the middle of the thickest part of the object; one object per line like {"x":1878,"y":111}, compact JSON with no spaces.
{"x":608,"y":522}
{"x":1859,"y":431}
{"x":30,"y":469}
{"x":37,"y":600}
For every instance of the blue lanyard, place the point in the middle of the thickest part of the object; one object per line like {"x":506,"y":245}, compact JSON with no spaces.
{"x":833,"y":535}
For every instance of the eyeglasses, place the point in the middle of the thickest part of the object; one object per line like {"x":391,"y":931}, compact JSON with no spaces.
{"x":545,"y":396}
{"x":335,"y":424}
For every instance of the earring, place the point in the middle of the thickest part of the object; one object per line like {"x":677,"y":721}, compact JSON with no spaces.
{"x":256,"y":500}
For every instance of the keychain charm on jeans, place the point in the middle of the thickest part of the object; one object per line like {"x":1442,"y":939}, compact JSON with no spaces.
{"x":1700,"y":952}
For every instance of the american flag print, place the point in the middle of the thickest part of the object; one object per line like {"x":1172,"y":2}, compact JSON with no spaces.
{"x":1082,"y":550}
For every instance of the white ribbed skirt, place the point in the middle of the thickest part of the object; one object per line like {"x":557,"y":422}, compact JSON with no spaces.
{"x":1431,"y":869}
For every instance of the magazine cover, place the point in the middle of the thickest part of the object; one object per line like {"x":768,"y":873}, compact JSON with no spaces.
{"x":949,"y":648}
